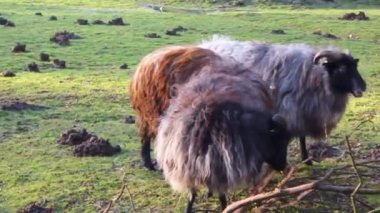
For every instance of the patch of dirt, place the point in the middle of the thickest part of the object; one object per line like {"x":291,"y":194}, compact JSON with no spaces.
{"x":82,"y":21}
{"x":237,"y":3}
{"x":124,"y":66}
{"x":172,"y":32}
{"x":96,"y":147}
{"x":32,"y":67}
{"x":3,"y":20}
{"x":117,"y":22}
{"x":18,"y":105}
{"x":86,"y":144}
{"x":6,"y":22}
{"x":361,"y":16}
{"x":74,"y":137}
{"x":63,"y":38}
{"x":44,"y":57}
{"x":59,"y":64}
{"x":130,"y":119}
{"x":38,"y":14}
{"x":8,"y":73}
{"x":278,"y":32}
{"x":326,"y":35}
{"x":18,"y":47}
{"x":373,"y":153}
{"x":320,"y":150}
{"x":98,"y":22}
{"x":53,"y":18}
{"x":34,"y":207}
{"x":152,"y":35}
{"x":175,"y":30}
{"x":9,"y":24}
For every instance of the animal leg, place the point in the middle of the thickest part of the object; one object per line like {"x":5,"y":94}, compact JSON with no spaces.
{"x":304,"y":153}
{"x":145,"y":153}
{"x":223,"y":201}
{"x":190,"y":202}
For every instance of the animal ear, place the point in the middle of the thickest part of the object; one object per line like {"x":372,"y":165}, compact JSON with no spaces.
{"x":277,"y":123}
{"x":326,"y":56}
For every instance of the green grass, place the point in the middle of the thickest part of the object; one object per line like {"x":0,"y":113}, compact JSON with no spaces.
{"x":92,"y":93}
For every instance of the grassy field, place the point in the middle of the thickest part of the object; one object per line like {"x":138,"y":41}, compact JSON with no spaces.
{"x":93,"y":93}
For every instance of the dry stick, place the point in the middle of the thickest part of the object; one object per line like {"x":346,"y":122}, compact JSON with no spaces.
{"x":123,"y":188}
{"x":275,"y":193}
{"x":375,"y":210}
{"x":352,"y":196}
{"x":280,"y":185}
{"x":316,"y":185}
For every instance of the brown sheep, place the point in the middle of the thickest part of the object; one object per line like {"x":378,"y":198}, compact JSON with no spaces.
{"x":151,"y":86}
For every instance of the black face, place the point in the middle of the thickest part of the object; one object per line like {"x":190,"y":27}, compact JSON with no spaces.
{"x":269,"y":136}
{"x":344,"y":75}
{"x":279,"y":139}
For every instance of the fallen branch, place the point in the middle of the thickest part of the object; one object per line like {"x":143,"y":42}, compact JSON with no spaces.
{"x":352,"y":196}
{"x":275,"y":193}
{"x":115,"y":199}
{"x":304,"y":189}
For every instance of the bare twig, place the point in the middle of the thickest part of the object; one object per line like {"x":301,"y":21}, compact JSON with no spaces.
{"x":115,"y":199}
{"x":352,"y":196}
{"x":375,"y":210}
{"x":275,"y":193}
{"x":368,"y":119}
{"x":289,"y":175}
{"x":345,"y":189}
{"x":263,"y":182}
{"x":304,"y":189}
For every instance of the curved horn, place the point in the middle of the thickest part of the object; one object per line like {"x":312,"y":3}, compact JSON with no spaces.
{"x":330,"y":55}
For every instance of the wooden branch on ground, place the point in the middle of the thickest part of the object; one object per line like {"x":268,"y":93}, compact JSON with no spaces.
{"x":115,"y":199}
{"x":304,"y":189}
{"x":352,"y":196}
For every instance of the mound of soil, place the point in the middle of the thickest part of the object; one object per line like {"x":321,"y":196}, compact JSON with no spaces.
{"x":8,"y":73}
{"x":175,"y":30}
{"x":74,"y":137}
{"x":63,"y":38}
{"x":33,"y":207}
{"x":9,"y":24}
{"x":44,"y":57}
{"x":172,"y":32}
{"x":352,"y":16}
{"x":60,"y":64}
{"x":320,"y":150}
{"x":38,"y":14}
{"x":130,"y":119}
{"x":98,"y":22}
{"x":238,"y":3}
{"x":96,"y":147}
{"x":373,"y":154}
{"x":32,"y":67}
{"x":3,"y":20}
{"x":278,"y":32}
{"x":152,"y":35}
{"x":180,"y":29}
{"x":82,"y":21}
{"x":18,"y":47}
{"x":17,"y":105}
{"x":86,"y":144}
{"x":326,"y":35}
{"x":124,"y":66}
{"x":117,"y":22}
{"x":53,"y":18}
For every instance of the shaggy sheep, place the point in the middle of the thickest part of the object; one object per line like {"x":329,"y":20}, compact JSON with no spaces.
{"x":311,"y":86}
{"x":151,"y":83}
{"x":218,"y":132}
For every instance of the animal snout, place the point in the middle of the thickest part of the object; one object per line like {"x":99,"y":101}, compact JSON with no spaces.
{"x":358,"y":93}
